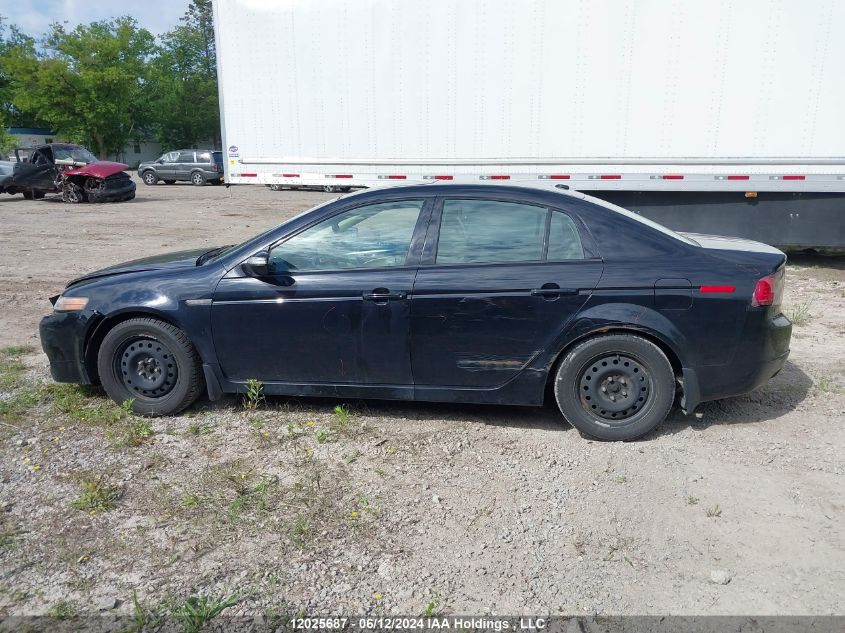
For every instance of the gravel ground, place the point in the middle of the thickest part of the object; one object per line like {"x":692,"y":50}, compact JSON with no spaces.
{"x":387,"y":508}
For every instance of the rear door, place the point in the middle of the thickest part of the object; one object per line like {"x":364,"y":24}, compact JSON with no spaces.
{"x":185,"y":164}
{"x":498,"y":282}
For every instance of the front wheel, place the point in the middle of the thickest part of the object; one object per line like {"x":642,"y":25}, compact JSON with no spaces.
{"x":615,"y":387}
{"x":149,"y":178}
{"x":152,"y":363}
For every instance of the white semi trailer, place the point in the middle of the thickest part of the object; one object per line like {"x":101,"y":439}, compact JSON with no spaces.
{"x":720,"y":116}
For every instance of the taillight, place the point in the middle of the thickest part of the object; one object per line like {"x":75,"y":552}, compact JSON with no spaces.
{"x":214,"y":167}
{"x":769,"y":290}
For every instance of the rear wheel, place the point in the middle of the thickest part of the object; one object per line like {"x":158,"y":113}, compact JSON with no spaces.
{"x":151,"y":362}
{"x":615,"y":387}
{"x":275,"y":187}
{"x":28,"y":194}
{"x":197,"y":178}
{"x":149,"y":178}
{"x":330,"y":188}
{"x":37,"y":195}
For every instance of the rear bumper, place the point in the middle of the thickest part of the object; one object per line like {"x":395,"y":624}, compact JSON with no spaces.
{"x":761,"y":354}
{"x":62,"y":339}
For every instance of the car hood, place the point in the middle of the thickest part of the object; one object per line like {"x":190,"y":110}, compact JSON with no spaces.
{"x":166,"y":261}
{"x":99,"y":169}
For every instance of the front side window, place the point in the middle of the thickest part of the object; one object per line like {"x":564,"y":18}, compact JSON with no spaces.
{"x":372,"y":236}
{"x":489,"y":231}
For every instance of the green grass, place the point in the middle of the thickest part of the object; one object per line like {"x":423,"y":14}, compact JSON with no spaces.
{"x":197,"y":611}
{"x":12,"y":368}
{"x":799,"y":313}
{"x":63,"y":610}
{"x":254,"y":396}
{"x":97,"y":496}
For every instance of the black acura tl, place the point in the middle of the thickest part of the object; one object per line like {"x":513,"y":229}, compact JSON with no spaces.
{"x":441,"y":292}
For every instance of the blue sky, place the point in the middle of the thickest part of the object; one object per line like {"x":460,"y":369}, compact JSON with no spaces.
{"x":34,"y":16}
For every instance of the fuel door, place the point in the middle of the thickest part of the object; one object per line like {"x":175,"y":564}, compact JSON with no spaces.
{"x":673,"y":294}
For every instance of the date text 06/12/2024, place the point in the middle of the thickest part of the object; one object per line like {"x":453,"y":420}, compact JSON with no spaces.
{"x":432,"y":623}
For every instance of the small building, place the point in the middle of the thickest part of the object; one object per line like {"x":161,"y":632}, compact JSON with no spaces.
{"x":31,"y":136}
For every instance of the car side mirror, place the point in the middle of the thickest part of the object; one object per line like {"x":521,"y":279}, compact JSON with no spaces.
{"x":258,"y":265}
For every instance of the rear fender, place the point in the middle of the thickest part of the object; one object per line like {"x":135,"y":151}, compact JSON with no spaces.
{"x":602,"y":318}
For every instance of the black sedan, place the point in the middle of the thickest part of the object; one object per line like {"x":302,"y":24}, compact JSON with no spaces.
{"x":451,"y":293}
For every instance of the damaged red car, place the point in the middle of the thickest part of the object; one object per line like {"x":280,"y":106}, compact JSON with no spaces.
{"x":69,"y":169}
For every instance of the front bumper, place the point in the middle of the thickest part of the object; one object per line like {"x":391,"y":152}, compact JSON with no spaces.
{"x":114,"y":189}
{"x":63,"y":340}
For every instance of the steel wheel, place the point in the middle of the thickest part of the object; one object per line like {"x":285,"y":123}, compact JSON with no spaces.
{"x":614,"y":387}
{"x":147,"y":367}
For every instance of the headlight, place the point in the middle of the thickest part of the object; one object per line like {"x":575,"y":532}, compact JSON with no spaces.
{"x":70,"y":304}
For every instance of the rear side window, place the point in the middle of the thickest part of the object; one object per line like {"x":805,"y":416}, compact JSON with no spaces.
{"x":203,"y":157}
{"x":564,"y":240}
{"x":186,"y":157}
{"x":489,"y":231}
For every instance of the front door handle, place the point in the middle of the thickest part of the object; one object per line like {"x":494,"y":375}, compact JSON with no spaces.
{"x":383,"y":295}
{"x":552,"y":291}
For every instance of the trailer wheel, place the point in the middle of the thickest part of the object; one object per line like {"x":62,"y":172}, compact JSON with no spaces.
{"x":329,"y":188}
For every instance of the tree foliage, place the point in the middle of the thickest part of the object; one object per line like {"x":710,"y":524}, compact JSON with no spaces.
{"x":185,"y":103}
{"x":108,"y":83}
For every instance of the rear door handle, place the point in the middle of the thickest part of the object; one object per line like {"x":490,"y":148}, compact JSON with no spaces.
{"x":384,"y":295}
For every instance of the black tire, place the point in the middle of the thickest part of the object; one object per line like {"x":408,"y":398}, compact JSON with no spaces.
{"x":152,"y":362}
{"x":216,"y":181}
{"x":345,"y":189}
{"x":28,"y":194}
{"x":73,"y":193}
{"x":275,"y":187}
{"x":149,"y":178}
{"x":197,"y":179}
{"x":38,"y":195}
{"x":169,"y":182}
{"x":330,"y":188}
{"x":615,"y":387}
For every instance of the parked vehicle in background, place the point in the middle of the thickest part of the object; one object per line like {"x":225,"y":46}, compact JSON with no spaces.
{"x":197,"y":166}
{"x":68,"y":168}
{"x":718,"y":117}
{"x":326,"y":188}
{"x":451,"y":293}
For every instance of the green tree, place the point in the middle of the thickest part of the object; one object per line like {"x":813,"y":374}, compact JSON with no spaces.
{"x":90,"y":84}
{"x":14,"y":45}
{"x":185,"y":99}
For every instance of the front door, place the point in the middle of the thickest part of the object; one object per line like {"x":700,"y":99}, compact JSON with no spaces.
{"x":166,"y":169}
{"x":334,"y":307}
{"x":498,"y":283}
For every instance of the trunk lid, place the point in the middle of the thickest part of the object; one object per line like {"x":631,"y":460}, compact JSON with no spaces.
{"x":761,"y":258}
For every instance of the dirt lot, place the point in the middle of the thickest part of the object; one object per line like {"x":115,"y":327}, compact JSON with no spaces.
{"x":381,"y":507}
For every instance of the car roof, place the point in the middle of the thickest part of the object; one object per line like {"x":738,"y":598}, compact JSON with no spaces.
{"x":548,"y":193}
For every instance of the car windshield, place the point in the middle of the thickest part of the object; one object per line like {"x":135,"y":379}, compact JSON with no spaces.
{"x":75,"y":153}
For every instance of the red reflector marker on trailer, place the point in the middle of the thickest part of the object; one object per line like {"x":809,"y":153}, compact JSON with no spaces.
{"x":290,"y":175}
{"x":443,"y":177}
{"x":738,"y":177}
{"x":717,"y":289}
{"x":611,"y":176}
{"x":793,"y":177}
{"x":673,"y":177}
{"x":247,"y":175}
